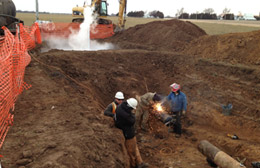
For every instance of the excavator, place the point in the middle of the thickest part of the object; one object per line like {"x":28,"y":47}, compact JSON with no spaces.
{"x":100,"y":7}
{"x":105,"y":26}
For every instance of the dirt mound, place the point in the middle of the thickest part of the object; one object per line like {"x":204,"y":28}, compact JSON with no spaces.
{"x":171,"y":34}
{"x":237,"y":48}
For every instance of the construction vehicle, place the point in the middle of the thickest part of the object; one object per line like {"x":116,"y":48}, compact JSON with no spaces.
{"x":7,"y":16}
{"x":121,"y":15}
{"x":100,"y":8}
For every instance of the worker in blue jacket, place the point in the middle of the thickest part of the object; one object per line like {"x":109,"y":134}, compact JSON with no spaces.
{"x":178,"y":104}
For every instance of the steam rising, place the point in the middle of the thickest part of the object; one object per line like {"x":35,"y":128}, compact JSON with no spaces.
{"x":79,"y":40}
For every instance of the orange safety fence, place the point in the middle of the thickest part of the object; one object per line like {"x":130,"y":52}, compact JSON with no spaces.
{"x":13,"y":60}
{"x":99,"y":31}
{"x":30,"y":35}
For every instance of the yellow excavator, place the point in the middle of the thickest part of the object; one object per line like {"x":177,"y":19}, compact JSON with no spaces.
{"x":104,"y":24}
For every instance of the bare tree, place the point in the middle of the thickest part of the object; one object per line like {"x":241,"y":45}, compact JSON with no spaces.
{"x":179,"y":12}
{"x":197,"y":14}
{"x":209,"y":10}
{"x":225,"y":12}
{"x":156,"y":14}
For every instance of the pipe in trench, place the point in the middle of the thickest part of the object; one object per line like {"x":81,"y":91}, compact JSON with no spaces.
{"x":219,"y":157}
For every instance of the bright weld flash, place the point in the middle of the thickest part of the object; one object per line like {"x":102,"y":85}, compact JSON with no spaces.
{"x":159,"y":107}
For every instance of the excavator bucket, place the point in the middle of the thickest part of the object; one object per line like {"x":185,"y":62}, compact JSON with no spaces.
{"x":64,"y":30}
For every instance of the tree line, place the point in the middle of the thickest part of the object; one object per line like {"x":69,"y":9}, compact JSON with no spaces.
{"x":208,"y":13}
{"x":154,"y":14}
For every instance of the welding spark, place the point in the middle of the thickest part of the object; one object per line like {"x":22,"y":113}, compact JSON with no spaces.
{"x":158,"y":107}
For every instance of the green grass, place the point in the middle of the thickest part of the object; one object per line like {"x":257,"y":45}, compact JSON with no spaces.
{"x":211,"y":27}
{"x":214,"y":29}
{"x":29,"y":18}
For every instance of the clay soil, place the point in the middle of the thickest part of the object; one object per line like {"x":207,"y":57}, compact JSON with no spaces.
{"x":59,"y":121}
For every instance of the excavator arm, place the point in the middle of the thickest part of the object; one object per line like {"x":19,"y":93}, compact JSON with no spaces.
{"x":121,"y":15}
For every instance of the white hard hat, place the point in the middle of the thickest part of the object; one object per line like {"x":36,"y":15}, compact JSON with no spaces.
{"x":132,"y":102}
{"x":119,"y":95}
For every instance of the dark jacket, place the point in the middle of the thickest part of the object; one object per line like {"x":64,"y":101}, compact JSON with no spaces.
{"x":125,"y":120}
{"x":109,"y":110}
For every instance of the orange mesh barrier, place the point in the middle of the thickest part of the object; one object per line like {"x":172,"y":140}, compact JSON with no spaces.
{"x":100,"y":31}
{"x":13,"y":60}
{"x":30,"y":35}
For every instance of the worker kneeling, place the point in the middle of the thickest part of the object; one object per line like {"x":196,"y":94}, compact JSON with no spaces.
{"x":142,"y":112}
{"x":125,"y":120}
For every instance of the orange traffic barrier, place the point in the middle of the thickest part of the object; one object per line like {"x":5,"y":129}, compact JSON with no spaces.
{"x":13,"y":60}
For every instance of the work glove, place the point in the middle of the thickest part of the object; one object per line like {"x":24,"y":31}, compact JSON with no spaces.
{"x":167,"y":124}
{"x":183,"y":112}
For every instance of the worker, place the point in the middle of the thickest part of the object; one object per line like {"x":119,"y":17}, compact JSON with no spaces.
{"x":178,"y":105}
{"x":145,"y":102}
{"x":125,"y":120}
{"x":111,"y":108}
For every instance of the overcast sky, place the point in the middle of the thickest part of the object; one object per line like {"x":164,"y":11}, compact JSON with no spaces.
{"x":168,"y":7}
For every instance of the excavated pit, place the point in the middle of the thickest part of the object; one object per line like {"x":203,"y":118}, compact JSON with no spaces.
{"x":59,"y":121}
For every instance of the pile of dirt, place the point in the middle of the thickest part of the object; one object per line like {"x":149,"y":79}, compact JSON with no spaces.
{"x":171,"y":34}
{"x":236,"y":48}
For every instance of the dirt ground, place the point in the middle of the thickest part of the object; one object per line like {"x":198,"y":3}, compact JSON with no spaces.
{"x":59,"y":121}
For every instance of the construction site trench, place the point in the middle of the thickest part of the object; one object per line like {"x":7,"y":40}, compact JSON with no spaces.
{"x":59,"y":121}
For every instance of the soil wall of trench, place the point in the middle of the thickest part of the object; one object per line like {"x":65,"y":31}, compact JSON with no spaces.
{"x":59,"y":121}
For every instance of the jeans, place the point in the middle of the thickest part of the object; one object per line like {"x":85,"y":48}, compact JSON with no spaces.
{"x":177,"y":124}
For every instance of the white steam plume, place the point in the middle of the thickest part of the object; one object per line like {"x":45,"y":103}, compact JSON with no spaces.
{"x":79,"y":40}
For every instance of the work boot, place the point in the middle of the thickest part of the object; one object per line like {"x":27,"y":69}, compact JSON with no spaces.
{"x":177,"y":135}
{"x":256,"y":164}
{"x":143,"y":165}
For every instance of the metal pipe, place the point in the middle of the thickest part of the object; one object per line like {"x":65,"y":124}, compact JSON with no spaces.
{"x":220,"y":158}
{"x":165,"y":117}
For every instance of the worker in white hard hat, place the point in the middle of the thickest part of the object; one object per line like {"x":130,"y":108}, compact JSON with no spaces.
{"x":111,"y":108}
{"x":125,"y":120}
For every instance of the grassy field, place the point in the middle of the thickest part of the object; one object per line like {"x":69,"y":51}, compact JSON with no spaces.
{"x":218,"y":28}
{"x":212,"y":27}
